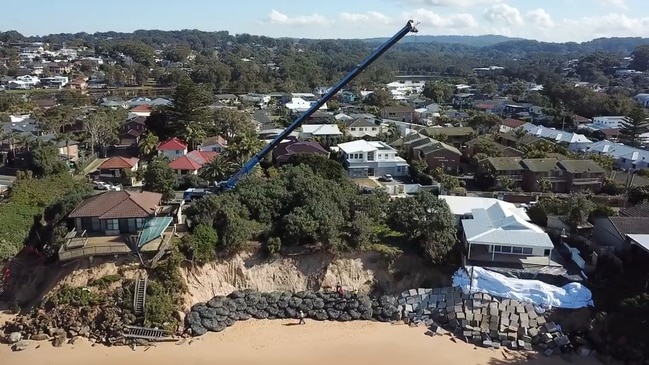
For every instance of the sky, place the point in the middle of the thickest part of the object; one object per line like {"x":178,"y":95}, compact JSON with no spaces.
{"x":547,"y":20}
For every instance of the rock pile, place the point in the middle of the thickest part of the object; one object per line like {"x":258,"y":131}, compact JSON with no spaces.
{"x":221,"y":312}
{"x":485,"y":320}
{"x":102,"y":324}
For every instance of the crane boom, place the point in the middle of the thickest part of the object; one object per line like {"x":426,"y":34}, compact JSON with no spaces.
{"x":248,"y":166}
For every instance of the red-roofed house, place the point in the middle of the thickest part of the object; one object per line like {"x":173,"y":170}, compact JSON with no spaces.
{"x":113,"y":166}
{"x":190,"y":163}
{"x":172,"y":149}
{"x":510,"y":124}
{"x":141,"y":110}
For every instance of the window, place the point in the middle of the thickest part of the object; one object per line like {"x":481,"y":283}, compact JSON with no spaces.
{"x":546,"y":253}
{"x":370,"y":156}
{"x":178,"y":152}
{"x":96,"y":225}
{"x":353,"y":129}
{"x":517,"y":250}
{"x":131,"y":225}
{"x":112,"y":225}
{"x":527,"y":251}
{"x":373,"y":128}
{"x":139,"y":223}
{"x":506,"y":249}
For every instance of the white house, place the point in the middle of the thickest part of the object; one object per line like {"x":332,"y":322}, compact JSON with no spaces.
{"x":642,"y":99}
{"x":255,"y":98}
{"x":406,"y":87}
{"x":501,"y":235}
{"x":300,"y":105}
{"x":608,"y":122}
{"x":172,"y":149}
{"x":626,"y":157}
{"x":371,"y":158}
{"x":363,"y":127}
{"x":574,"y":141}
{"x":320,"y":130}
{"x":462,"y":206}
{"x":213,"y":144}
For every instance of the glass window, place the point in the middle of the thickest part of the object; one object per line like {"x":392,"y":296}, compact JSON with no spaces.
{"x":112,"y":225}
{"x":370,"y":156}
{"x":506,"y":249}
{"x":373,"y":128}
{"x":517,"y":250}
{"x":131,"y":225}
{"x":496,"y":248}
{"x":546,"y":253}
{"x":139,"y":223}
{"x":96,"y":225}
{"x":527,"y":251}
{"x":353,"y":129}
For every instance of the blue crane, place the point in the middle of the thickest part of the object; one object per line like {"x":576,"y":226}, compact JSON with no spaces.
{"x":410,"y":27}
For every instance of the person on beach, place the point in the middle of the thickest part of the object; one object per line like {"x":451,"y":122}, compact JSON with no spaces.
{"x":341,"y":292}
{"x":301,"y":318}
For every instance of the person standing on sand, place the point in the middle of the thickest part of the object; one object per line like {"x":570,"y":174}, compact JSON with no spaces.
{"x":301,"y":318}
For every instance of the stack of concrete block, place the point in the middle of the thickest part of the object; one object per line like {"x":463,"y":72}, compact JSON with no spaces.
{"x":480,"y":318}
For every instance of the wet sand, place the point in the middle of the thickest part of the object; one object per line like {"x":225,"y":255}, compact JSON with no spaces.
{"x":282,"y":342}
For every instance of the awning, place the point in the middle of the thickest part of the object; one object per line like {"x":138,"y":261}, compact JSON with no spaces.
{"x":153,"y":229}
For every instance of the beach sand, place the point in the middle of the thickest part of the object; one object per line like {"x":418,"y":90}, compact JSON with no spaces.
{"x":282,"y":342}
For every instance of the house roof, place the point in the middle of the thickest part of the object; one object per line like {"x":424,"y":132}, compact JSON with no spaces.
{"x":192,"y":161}
{"x":505,"y":163}
{"x":523,"y":140}
{"x":142,"y":108}
{"x":399,"y":109}
{"x":434,"y":145}
{"x":640,"y":210}
{"x":138,"y":119}
{"x":641,"y":240}
{"x":556,"y":135}
{"x":362,"y":122}
{"x":498,"y":225}
{"x":321,"y":129}
{"x":210,"y":141}
{"x":540,"y":164}
{"x":118,"y":204}
{"x":118,"y":163}
{"x":293,"y":147}
{"x":630,"y":225}
{"x":224,"y":96}
{"x":173,"y":144}
{"x":512,"y":123}
{"x":580,"y":166}
{"x":464,"y":205}
{"x":131,"y":133}
{"x":448,"y":131}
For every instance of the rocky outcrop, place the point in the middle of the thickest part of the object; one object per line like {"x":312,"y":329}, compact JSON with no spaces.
{"x":221,"y":312}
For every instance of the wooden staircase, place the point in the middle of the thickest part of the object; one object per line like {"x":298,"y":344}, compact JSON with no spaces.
{"x":139,"y":295}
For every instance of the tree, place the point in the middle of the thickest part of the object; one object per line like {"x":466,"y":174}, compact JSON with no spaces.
{"x":148,"y":145}
{"x":381,"y":98}
{"x":54,"y":120}
{"x":426,"y":220}
{"x":46,"y":161}
{"x":578,"y":207}
{"x":103,"y":125}
{"x":640,"y":59}
{"x":160,"y":178}
{"x":487,"y":147}
{"x":200,"y":245}
{"x":218,"y":169}
{"x":230,"y":123}
{"x":484,"y":122}
{"x":489,"y":88}
{"x":633,"y":126}
{"x":439,"y":91}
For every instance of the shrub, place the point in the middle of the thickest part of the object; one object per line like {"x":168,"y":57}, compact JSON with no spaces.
{"x":200,"y":245}
{"x":105,"y":281}
{"x":80,"y":297}
{"x":273,"y":245}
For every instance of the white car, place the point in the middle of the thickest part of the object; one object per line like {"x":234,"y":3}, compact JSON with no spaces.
{"x":114,"y":188}
{"x":100,"y":185}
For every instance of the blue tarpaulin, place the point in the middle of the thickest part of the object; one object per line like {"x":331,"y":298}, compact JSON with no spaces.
{"x":153,"y":229}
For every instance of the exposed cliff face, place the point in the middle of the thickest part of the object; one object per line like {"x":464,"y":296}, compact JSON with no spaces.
{"x":368,"y":272}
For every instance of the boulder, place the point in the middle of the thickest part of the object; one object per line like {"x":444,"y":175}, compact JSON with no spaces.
{"x":20,"y":346}
{"x":14,"y":337}
{"x":40,"y":337}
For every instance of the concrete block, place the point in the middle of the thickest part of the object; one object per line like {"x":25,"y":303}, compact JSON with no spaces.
{"x":533,"y":331}
{"x":548,"y":352}
{"x":512,"y":336}
{"x":454,"y":323}
{"x":520,"y":309}
{"x":513,"y":345}
{"x":506,"y":302}
{"x":493,"y":311}
{"x":421,"y":291}
{"x":506,"y":343}
{"x":514,"y":318}
{"x":512,"y":328}
{"x":494,"y":326}
{"x":408,"y":308}
{"x":524,"y":317}
{"x":486,"y":296}
{"x":551,"y":327}
{"x":460,"y":315}
{"x":458,"y":309}
{"x":401,"y":301}
{"x":546,"y":338}
{"x":527,"y":347}
{"x":412,"y":292}
{"x":533,"y":323}
{"x":529,"y":308}
{"x":525,"y":324}
{"x":562,"y":340}
{"x":502,"y":336}
{"x":451,"y":315}
{"x":502,"y":307}
{"x":540,"y":320}
{"x":467,"y":334}
{"x":469,"y":316}
{"x":496,"y":345}
{"x":436,"y":290}
{"x":526,"y":339}
{"x":493,"y":334}
{"x":532,"y":315}
{"x":412,"y":300}
{"x":504,"y":321}
{"x":477,"y":304}
{"x":520,"y":344}
{"x":477,"y":316}
{"x":543,"y":346}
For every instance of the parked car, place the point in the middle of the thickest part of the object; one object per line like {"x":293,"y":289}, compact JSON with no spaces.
{"x":114,"y":188}
{"x":100,"y":185}
{"x":387,"y":178}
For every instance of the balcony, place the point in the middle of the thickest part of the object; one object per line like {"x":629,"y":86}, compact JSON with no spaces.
{"x":587,"y":181}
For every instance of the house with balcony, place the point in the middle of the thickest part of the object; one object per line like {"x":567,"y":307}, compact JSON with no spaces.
{"x":434,"y":153}
{"x":172,"y":148}
{"x":371,"y":159}
{"x":120,"y":223}
{"x":582,"y":175}
{"x":400,"y":113}
{"x":540,"y":171}
{"x":499,"y":168}
{"x":497,"y":235}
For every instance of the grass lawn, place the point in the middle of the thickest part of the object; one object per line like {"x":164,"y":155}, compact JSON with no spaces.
{"x":366,"y":182}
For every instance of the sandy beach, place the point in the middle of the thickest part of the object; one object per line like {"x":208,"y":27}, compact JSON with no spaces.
{"x":282,"y":342}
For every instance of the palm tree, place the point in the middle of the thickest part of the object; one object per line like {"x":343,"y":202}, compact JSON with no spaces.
{"x":194,"y":134}
{"x":148,"y":145}
{"x":219,"y":169}
{"x":243,"y":147}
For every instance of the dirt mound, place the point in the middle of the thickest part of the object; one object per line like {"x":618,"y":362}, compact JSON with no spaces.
{"x":367,"y":272}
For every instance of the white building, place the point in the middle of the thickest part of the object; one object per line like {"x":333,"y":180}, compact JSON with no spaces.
{"x":574,"y":141}
{"x":498,"y":234}
{"x":626,"y":157}
{"x":300,"y":105}
{"x":642,"y":99}
{"x":609,"y":122}
{"x":462,"y":206}
{"x":309,"y":131}
{"x":406,"y":87}
{"x":372,"y":158}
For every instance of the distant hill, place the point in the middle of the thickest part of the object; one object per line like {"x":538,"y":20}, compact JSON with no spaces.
{"x":467,"y":40}
{"x":614,"y":45}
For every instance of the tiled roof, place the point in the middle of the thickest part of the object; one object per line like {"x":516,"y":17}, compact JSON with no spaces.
{"x":118,"y":204}
{"x":631,"y":225}
{"x":118,"y":163}
{"x":285,"y":150}
{"x":512,"y":123}
{"x":362,"y":122}
{"x":192,"y":161}
{"x":131,"y":133}
{"x":540,"y":164}
{"x":142,"y":108}
{"x":581,"y":166}
{"x":505,"y":163}
{"x":173,"y":144}
{"x":640,"y":210}
{"x":209,"y":141}
{"x":450,"y":131}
